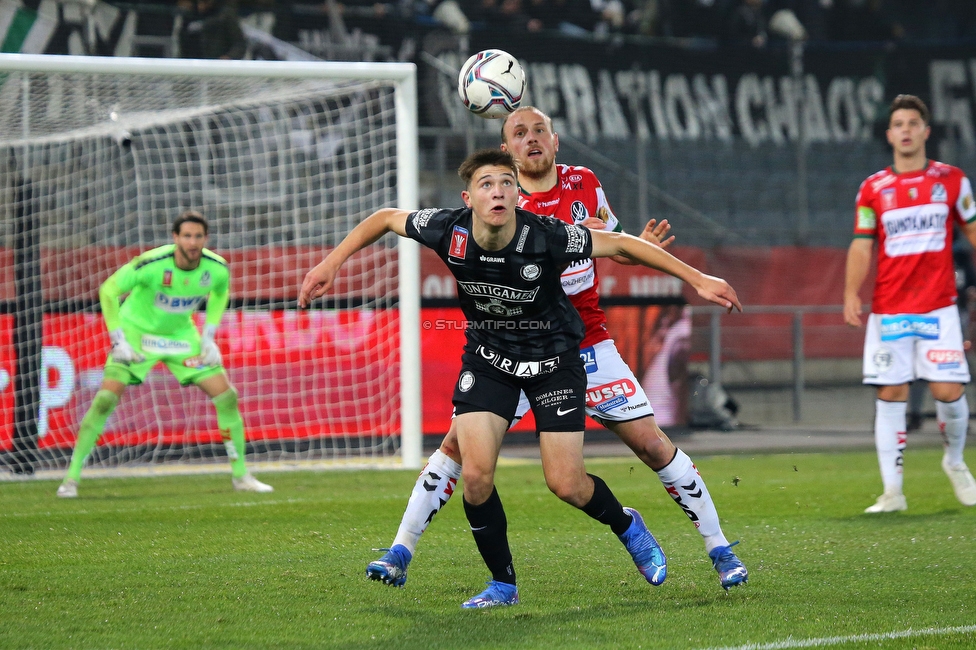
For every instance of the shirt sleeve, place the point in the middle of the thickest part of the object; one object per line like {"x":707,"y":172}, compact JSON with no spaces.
{"x":219,"y":298}
{"x":118,"y":284}
{"x":604,"y":213}
{"x":569,"y":243}
{"x":965,"y":205}
{"x":428,"y":226}
{"x":865,"y":218}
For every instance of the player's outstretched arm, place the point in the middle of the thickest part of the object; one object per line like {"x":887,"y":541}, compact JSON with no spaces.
{"x":712,"y":289}
{"x":319,"y":280}
{"x":858,"y":264}
{"x":653,"y":233}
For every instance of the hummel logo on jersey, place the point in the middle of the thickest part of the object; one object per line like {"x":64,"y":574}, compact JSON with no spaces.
{"x":561,"y":412}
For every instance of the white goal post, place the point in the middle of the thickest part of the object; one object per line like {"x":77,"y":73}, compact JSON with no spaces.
{"x":101,"y":154}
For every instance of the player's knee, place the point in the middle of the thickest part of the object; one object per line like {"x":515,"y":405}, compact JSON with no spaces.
{"x":450,"y":449}
{"x":227,"y":399}
{"x":647,"y":441}
{"x":478,"y":483}
{"x":104,"y":402}
{"x":568,"y":488}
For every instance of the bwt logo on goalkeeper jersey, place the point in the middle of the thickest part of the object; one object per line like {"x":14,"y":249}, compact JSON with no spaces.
{"x":498,"y":291}
{"x":177,"y":304}
{"x":898,"y":327}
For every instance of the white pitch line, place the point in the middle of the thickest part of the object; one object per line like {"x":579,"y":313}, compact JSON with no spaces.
{"x":113,"y":511}
{"x":854,"y":638}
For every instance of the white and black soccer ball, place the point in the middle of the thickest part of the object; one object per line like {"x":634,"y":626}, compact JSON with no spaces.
{"x":491,"y":84}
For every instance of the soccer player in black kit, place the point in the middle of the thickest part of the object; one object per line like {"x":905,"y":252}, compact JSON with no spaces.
{"x":523,"y":335}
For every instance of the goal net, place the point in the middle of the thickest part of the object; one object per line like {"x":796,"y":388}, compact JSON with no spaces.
{"x":100,"y":155}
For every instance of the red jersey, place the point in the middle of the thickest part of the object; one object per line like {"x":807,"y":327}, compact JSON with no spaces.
{"x":911,"y":215}
{"x":576,"y":196}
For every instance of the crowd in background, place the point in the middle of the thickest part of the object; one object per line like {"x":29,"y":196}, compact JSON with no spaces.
{"x":211,"y":30}
{"x":741,"y":21}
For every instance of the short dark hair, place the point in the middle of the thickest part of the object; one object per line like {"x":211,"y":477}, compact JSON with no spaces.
{"x":485,"y":157}
{"x":522,"y":109}
{"x":910,"y":102}
{"x":191,"y":216}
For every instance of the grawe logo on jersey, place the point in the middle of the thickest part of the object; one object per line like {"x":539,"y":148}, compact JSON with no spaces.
{"x":459,"y":242}
{"x":609,"y":396}
{"x":939,"y":193}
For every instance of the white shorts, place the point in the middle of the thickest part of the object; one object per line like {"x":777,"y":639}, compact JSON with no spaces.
{"x":901,"y":347}
{"x":613,"y":393}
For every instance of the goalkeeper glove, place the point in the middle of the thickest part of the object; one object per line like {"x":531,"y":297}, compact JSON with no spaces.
{"x":122,"y":351}
{"x":209,"y":352}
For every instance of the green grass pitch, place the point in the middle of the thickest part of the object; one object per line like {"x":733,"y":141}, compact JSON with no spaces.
{"x":184,"y":562}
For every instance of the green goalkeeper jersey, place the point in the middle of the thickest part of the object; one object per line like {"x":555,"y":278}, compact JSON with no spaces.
{"x":162,"y":296}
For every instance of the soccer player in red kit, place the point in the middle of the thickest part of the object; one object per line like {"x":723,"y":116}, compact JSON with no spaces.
{"x":614,"y":396}
{"x":913,"y":331}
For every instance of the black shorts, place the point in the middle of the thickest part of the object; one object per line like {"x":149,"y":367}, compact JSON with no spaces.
{"x":556,"y":388}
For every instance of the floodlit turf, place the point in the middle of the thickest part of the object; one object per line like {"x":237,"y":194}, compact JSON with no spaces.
{"x":184,"y":562}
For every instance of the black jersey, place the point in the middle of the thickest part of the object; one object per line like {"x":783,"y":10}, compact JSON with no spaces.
{"x":512,"y":298}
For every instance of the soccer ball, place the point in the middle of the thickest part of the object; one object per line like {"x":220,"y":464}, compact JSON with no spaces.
{"x":491,"y":84}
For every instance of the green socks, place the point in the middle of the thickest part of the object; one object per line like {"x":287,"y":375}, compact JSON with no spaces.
{"x":230,"y":423}
{"x":92,"y":426}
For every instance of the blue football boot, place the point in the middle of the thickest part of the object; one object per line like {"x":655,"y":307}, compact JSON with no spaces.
{"x":392,"y":567}
{"x":645,"y":550}
{"x":731,"y":570}
{"x":496,"y":595}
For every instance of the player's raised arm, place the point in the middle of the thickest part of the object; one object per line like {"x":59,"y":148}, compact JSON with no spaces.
{"x":712,"y":289}
{"x":319,"y":280}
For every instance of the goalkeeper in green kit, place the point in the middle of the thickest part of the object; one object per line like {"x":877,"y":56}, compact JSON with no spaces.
{"x":153,"y":325}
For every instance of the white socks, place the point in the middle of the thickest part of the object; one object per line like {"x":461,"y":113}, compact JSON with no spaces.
{"x":433,"y":488}
{"x":890,"y":440}
{"x":685,"y":485}
{"x":953,"y":420}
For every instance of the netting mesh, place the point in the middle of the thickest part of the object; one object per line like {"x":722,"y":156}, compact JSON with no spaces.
{"x":95,"y":168}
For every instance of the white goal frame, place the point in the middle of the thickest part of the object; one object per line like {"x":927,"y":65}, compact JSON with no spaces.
{"x":404,"y":78}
